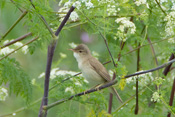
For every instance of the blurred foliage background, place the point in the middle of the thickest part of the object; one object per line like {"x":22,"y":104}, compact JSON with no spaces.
{"x":149,"y":21}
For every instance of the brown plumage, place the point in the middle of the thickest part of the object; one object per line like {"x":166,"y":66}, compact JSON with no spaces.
{"x":94,"y":72}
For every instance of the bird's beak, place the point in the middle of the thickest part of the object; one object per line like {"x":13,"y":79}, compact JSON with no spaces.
{"x":72,"y":50}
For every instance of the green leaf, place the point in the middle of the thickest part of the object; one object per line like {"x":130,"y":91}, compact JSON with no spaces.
{"x":12,"y":74}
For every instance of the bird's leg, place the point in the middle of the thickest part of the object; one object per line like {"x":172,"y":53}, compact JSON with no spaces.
{"x":97,"y":86}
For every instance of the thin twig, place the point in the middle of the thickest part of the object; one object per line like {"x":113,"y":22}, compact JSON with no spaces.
{"x":80,"y":94}
{"x":151,"y":70}
{"x":160,"y":7}
{"x":17,"y":21}
{"x":44,"y":21}
{"x":18,"y":48}
{"x":16,"y":40}
{"x":104,"y":86}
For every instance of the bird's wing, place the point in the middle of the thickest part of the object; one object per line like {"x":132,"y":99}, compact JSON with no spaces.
{"x":99,"y":68}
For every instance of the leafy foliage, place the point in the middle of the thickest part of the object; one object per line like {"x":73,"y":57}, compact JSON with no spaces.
{"x":12,"y":74}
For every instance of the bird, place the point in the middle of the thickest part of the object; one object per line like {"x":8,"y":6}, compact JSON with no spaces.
{"x":92,"y":69}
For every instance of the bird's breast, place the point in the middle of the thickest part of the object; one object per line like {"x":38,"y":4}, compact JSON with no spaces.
{"x":90,"y":74}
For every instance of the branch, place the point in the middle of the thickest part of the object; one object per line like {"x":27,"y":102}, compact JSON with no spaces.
{"x":137,"y":82}
{"x":171,"y":97}
{"x":18,"y":48}
{"x":105,"y":40}
{"x":17,"y":21}
{"x":51,"y":49}
{"x":80,"y":94}
{"x":167,"y":69}
{"x":44,"y":21}
{"x":16,"y":40}
{"x":160,"y":7}
{"x":151,"y":70}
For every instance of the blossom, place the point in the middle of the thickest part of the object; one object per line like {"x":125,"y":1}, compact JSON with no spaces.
{"x":89,"y":4}
{"x":72,"y":45}
{"x":14,"y":114}
{"x":5,"y":51}
{"x":18,"y":44}
{"x":41,"y":75}
{"x":125,"y":23}
{"x":139,"y":2}
{"x":74,"y":16}
{"x":155,"y":97}
{"x":111,"y":10}
{"x":3,"y":94}
{"x":69,"y":89}
{"x":78,"y":83}
{"x":77,"y":4}
{"x":5,"y":42}
{"x":170,"y":25}
{"x":63,"y":55}
{"x":25,"y":49}
{"x":33,"y":81}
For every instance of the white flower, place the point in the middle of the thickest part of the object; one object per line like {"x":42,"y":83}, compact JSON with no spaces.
{"x":3,"y":94}
{"x":5,"y":42}
{"x":77,"y":4}
{"x":89,"y":4}
{"x":5,"y":51}
{"x":14,"y":114}
{"x":172,"y":40}
{"x":78,"y":83}
{"x":67,"y":4}
{"x":74,"y":16}
{"x":111,"y":73}
{"x":72,"y":45}
{"x":170,"y":25}
{"x":25,"y":49}
{"x":139,"y":2}
{"x":111,"y":10}
{"x":69,"y":89}
{"x":41,"y":75}
{"x":33,"y":81}
{"x":18,"y":44}
{"x":155,"y":97}
{"x":63,"y":55}
{"x":53,"y":73}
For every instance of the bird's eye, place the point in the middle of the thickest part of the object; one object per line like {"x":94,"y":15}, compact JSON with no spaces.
{"x":80,"y":51}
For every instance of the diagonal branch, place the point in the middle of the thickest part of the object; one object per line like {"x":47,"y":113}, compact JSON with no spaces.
{"x":16,"y":40}
{"x":19,"y":48}
{"x":151,"y":70}
{"x":104,"y":86}
{"x":17,"y":21}
{"x":80,"y":94}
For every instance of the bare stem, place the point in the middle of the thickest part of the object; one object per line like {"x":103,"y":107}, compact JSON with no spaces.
{"x":16,"y":40}
{"x":17,"y":21}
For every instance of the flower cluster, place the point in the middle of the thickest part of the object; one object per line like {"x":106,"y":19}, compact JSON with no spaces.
{"x":56,"y":72}
{"x":74,"y":16}
{"x":7,"y":50}
{"x":155,"y":97}
{"x":3,"y":94}
{"x":125,"y":24}
{"x":139,"y":2}
{"x":170,"y":25}
{"x":144,"y":79}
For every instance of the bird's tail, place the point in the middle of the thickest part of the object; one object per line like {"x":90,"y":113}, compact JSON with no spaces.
{"x":114,"y":92}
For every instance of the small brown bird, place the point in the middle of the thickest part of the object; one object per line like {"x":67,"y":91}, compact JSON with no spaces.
{"x":94,"y":72}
